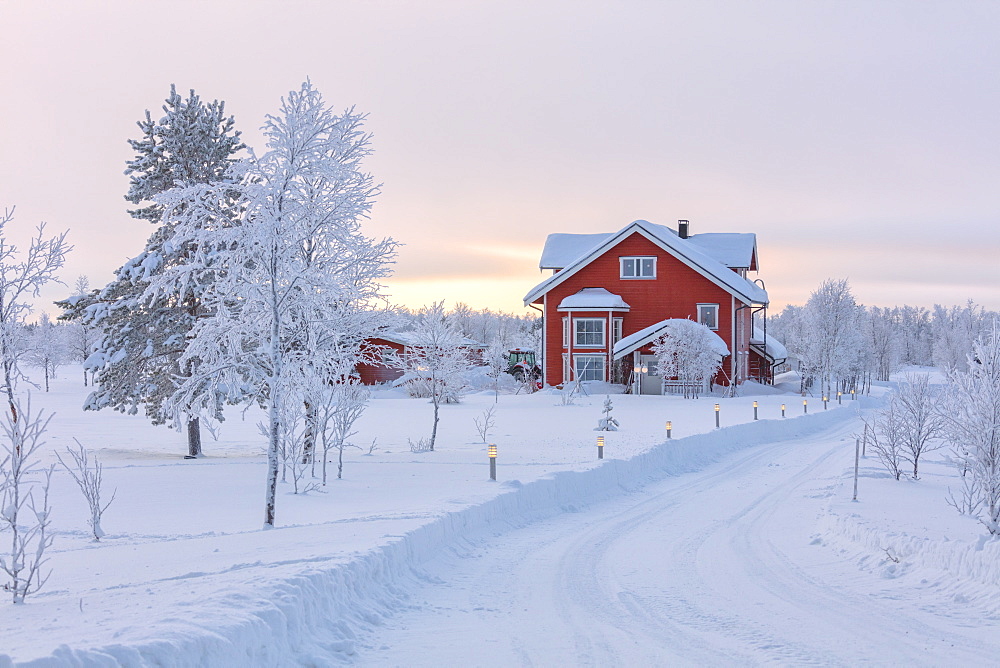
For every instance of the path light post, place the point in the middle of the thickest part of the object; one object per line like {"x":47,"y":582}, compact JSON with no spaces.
{"x":755,"y":410}
{"x":805,"y":406}
{"x":716,"y":416}
{"x":839,"y":393}
{"x":824,"y":401}
{"x":600,"y":447}
{"x":852,"y":394}
{"x":782,"y":410}
{"x":669,"y":429}
{"x":493,"y":461}
{"x":857,"y":448}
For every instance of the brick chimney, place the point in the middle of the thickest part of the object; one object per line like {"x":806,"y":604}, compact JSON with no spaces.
{"x":682,"y":228}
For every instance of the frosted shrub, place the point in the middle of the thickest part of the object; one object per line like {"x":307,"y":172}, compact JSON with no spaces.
{"x":885,"y":434}
{"x":24,"y":499}
{"x":89,"y":479}
{"x":485,"y":423}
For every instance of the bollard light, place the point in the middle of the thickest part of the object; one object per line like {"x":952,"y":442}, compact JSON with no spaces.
{"x":669,"y":428}
{"x":852,"y":394}
{"x":716,"y":416}
{"x":805,"y":406}
{"x":493,"y":461}
{"x":755,"y":410}
{"x":493,"y":452}
{"x":824,"y":402}
{"x":839,"y":393}
{"x":600,"y":447}
{"x":782,"y":410}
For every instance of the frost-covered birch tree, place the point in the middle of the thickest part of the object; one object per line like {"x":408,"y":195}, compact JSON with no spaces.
{"x":21,"y":278}
{"x":437,"y":359}
{"x":80,"y":336}
{"x":47,"y":347}
{"x":970,"y":413}
{"x":689,"y":352}
{"x":833,"y":344}
{"x":137,"y":355}
{"x":295,"y":287}
{"x":921,"y":424}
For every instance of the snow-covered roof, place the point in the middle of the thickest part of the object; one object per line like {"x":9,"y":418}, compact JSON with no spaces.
{"x":408,"y":339}
{"x":773,"y":347}
{"x":597,"y":299}
{"x":689,"y":253}
{"x":561,"y":249}
{"x":732,"y":249}
{"x":633,"y":342}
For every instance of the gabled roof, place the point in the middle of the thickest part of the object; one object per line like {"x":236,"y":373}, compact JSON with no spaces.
{"x":691,"y":254}
{"x":633,"y":342}
{"x":597,"y":299}
{"x":562,"y":249}
{"x":733,"y":249}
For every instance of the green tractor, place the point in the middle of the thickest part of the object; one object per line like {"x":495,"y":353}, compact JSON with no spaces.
{"x":522,"y":365}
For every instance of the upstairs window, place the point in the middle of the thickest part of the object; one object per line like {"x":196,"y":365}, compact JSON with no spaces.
{"x":589,"y":332}
{"x":708,"y":315}
{"x":638,"y":267}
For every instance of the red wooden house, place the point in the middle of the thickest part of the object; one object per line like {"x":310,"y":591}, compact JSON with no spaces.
{"x":610,"y":294}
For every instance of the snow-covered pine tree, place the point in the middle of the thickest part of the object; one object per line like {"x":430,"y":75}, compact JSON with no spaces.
{"x":296,"y":284}
{"x":136,"y":357}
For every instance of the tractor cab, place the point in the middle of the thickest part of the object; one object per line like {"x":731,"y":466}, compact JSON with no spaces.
{"x":522,"y":365}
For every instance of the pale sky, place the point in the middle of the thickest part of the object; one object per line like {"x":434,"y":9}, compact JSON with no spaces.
{"x":858,"y":140}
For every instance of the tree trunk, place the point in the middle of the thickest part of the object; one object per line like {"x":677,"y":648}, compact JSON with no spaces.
{"x":340,"y":462}
{"x":434,"y":430}
{"x":309,"y":437}
{"x":85,"y":378}
{"x":194,"y":437}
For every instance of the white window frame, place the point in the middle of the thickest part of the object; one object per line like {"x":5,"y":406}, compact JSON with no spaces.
{"x":565,"y":331}
{"x":715,"y":309}
{"x":567,"y":368}
{"x":637,"y":264}
{"x":597,"y":370}
{"x":616,"y":330}
{"x":576,"y":332}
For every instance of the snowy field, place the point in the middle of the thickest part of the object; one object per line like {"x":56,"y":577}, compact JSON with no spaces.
{"x":739,"y":545}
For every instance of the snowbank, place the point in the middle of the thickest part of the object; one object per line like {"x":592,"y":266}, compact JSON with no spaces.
{"x":307,"y":615}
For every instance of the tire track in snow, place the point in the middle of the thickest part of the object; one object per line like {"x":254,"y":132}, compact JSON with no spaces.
{"x":670,"y":574}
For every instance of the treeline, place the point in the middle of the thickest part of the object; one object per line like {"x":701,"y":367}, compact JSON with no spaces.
{"x":845,"y":345}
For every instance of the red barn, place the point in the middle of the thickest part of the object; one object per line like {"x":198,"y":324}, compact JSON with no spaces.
{"x":390,"y":347}
{"x":609,"y":294}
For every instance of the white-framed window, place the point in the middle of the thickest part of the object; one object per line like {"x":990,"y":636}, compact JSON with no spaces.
{"x":565,"y":332}
{"x":588,"y":332}
{"x":616,"y":330}
{"x":589,"y":367}
{"x":567,"y":376}
{"x":638,"y":267}
{"x":708,"y":315}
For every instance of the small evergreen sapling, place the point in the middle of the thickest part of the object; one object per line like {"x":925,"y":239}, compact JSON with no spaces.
{"x":608,"y":422}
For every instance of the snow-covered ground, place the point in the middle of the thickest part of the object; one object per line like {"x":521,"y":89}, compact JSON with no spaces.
{"x":737,"y":545}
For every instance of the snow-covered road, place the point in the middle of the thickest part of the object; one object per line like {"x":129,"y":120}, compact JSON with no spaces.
{"x":717,"y":567}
